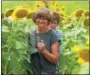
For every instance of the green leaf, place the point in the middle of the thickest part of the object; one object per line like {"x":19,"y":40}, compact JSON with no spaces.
{"x":18,"y":45}
{"x":5,"y":56}
{"x":14,"y":65}
{"x":63,"y":62}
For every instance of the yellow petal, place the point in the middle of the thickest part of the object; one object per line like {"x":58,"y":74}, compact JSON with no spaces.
{"x":80,"y":60}
{"x":87,"y":41}
{"x":76,"y":48}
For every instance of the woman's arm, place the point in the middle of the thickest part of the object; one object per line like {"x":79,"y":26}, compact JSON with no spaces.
{"x":54,"y":55}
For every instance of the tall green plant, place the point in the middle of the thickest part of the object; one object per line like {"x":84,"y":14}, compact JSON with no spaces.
{"x":15,"y":59}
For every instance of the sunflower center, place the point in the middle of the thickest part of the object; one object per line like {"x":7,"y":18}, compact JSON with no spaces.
{"x":38,"y":5}
{"x":87,"y":13}
{"x":86,"y":22}
{"x":21,"y":13}
{"x":79,"y":13}
{"x":85,"y":55}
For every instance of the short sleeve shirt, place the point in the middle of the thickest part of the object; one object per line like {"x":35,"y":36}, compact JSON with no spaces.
{"x":49,"y":39}
{"x":59,"y":34}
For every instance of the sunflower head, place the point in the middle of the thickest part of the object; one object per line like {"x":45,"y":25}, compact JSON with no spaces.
{"x":63,"y":8}
{"x":87,"y":41}
{"x":80,"y":60}
{"x":79,"y":13}
{"x":20,"y":13}
{"x":53,"y":3}
{"x":76,"y":48}
{"x":86,"y":22}
{"x":85,"y":54}
{"x":46,"y":4}
{"x":57,"y":5}
{"x":9,"y":13}
{"x":2,"y":15}
{"x":87,"y":13}
{"x":39,"y":4}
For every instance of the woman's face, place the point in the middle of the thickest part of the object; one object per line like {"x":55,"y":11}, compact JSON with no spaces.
{"x":41,"y":22}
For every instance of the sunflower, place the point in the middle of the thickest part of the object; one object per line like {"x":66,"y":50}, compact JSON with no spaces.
{"x":20,"y":13}
{"x":76,"y":48}
{"x":85,"y":55}
{"x":53,"y":5}
{"x":80,"y":60}
{"x":46,"y":3}
{"x":56,"y":4}
{"x":87,"y":13}
{"x":39,"y":4}
{"x":63,"y":9}
{"x":86,"y":22}
{"x":2,"y":15}
{"x":87,"y":41}
{"x":79,"y":13}
{"x":9,"y":13}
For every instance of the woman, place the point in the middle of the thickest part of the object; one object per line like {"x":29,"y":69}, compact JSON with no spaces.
{"x":44,"y":60}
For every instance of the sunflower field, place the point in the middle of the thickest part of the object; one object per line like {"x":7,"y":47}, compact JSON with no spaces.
{"x":17,"y":24}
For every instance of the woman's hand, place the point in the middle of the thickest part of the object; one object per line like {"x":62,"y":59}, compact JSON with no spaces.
{"x":53,"y":56}
{"x":41,"y":46}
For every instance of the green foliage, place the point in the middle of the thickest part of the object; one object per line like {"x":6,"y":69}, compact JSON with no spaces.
{"x":73,"y":34}
{"x":14,"y":47}
{"x":15,"y":59}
